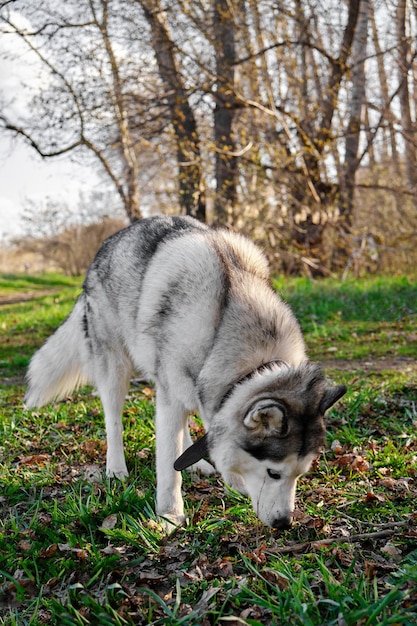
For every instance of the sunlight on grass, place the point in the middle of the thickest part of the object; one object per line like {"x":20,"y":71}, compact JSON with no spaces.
{"x":77,"y":548}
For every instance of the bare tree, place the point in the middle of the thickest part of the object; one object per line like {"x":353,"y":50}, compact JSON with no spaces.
{"x":190,"y":169}
{"x":392,"y":151}
{"x":86,"y":89}
{"x":278,"y":113}
{"x":129,"y":191}
{"x":357,"y":112}
{"x":225,"y":146}
{"x":408,"y":126}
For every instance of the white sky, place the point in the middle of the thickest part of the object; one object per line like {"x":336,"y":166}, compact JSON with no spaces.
{"x":23,"y":173}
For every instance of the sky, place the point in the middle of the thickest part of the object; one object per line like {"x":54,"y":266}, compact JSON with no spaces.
{"x":23,"y":173}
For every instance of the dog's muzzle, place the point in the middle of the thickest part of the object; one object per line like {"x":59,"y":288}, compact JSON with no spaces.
{"x":282,"y":523}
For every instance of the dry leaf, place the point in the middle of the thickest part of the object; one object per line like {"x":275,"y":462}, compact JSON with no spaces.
{"x":355,"y":461}
{"x":24,"y":545}
{"x":400,"y":484}
{"x":93,"y":473}
{"x":337,"y":447}
{"x":48,"y":552}
{"x":276,"y":578}
{"x":391,"y":551}
{"x":109,"y":523}
{"x":258,"y":555}
{"x":81,"y":554}
{"x":371,"y":496}
{"x":35,"y":459}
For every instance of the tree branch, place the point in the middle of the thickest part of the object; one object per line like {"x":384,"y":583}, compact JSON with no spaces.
{"x":32,"y":142}
{"x":312,"y":545}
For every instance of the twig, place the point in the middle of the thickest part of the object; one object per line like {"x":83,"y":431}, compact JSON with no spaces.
{"x":375,"y":524}
{"x":300,"y":547}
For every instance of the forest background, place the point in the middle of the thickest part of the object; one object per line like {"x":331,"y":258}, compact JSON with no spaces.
{"x":293,"y":122}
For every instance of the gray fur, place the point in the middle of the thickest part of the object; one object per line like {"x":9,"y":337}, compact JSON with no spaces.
{"x":192,"y":309}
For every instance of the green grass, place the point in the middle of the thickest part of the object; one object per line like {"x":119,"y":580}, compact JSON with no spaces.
{"x":76,"y":548}
{"x":363,"y":318}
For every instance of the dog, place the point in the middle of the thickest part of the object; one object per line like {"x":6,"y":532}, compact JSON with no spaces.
{"x":192,"y":308}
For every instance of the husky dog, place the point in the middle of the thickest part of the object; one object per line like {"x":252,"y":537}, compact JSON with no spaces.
{"x":192,"y":309}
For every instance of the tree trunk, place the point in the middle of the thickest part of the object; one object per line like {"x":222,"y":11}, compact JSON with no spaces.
{"x":190,"y":171}
{"x":310,"y":223}
{"x":391,"y":152}
{"x":225,"y":145}
{"x":408,"y":128}
{"x":357,"y":103}
{"x":130,"y":191}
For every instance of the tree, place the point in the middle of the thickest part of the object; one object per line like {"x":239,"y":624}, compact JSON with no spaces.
{"x":280,"y":115}
{"x":86,"y":91}
{"x":190,"y":174}
{"x":224,"y":94}
{"x":405,"y":56}
{"x":356,"y":117}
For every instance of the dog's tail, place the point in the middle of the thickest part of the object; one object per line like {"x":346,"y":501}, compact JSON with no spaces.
{"x":56,"y":369}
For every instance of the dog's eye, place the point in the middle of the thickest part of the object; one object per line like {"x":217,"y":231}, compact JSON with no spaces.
{"x":273,"y":474}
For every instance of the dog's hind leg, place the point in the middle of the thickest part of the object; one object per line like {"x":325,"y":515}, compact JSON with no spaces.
{"x":112,"y":377}
{"x":170,"y":425}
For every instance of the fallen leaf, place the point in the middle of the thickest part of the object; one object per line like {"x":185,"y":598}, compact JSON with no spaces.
{"x":93,"y":473}
{"x":371,"y":496}
{"x":400,"y":484}
{"x":391,"y":551}
{"x":35,"y":459}
{"x":337,"y":447}
{"x":258,"y":555}
{"x":93,"y":448}
{"x":203,"y":604}
{"x":48,"y":552}
{"x":225,"y":567}
{"x":109,"y":522}
{"x":150,"y":576}
{"x":81,"y":554}
{"x":110,"y":549}
{"x":24,"y":545}
{"x":384,"y":471}
{"x":254,"y":612}
{"x":276,"y":578}
{"x":355,"y":461}
{"x":148,"y":392}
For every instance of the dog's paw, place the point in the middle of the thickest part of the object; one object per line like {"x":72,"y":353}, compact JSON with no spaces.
{"x":118,"y":472}
{"x":170,"y":522}
{"x":203,"y":467}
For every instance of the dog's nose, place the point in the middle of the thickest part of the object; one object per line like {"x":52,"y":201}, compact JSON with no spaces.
{"x":281,"y":523}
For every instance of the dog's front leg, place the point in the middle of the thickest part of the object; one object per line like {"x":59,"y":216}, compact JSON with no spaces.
{"x":170,"y":423}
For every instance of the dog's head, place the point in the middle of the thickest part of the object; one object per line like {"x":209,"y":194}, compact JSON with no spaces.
{"x":267,"y":433}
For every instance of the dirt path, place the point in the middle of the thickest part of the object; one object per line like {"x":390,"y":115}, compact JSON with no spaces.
{"x":25,"y":296}
{"x":397,"y":363}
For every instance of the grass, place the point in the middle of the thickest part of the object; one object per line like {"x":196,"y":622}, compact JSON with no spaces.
{"x":76,"y":548}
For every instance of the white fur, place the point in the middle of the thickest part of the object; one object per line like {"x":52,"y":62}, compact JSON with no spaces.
{"x":195,"y":316}
{"x":57,"y":368}
{"x":271,"y":499}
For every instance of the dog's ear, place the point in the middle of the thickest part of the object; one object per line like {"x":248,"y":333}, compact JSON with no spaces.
{"x":267,"y":415}
{"x":330,"y":396}
{"x":193,"y":454}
